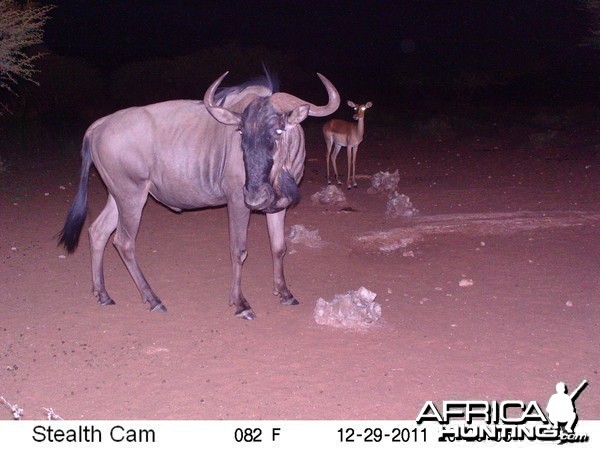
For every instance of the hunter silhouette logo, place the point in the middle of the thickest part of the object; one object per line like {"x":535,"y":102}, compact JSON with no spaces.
{"x":561,"y":407}
{"x":509,"y":420}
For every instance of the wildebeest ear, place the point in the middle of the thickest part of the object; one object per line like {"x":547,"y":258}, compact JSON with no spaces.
{"x":298,"y":115}
{"x":224,"y":115}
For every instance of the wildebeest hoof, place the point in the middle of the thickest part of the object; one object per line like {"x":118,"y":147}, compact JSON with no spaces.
{"x":247,"y":314}
{"x":106,"y":301}
{"x":159,"y":308}
{"x":289,"y":301}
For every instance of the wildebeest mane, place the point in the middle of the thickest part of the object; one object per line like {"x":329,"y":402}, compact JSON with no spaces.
{"x":269,"y":80}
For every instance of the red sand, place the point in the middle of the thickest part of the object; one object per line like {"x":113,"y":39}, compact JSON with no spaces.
{"x":530,"y":319}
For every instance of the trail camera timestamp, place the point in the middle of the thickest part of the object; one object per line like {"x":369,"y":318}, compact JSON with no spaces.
{"x":375,"y":434}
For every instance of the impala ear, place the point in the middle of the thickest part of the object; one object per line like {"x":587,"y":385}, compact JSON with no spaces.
{"x":351,"y":104}
{"x":369,"y":104}
{"x":297,"y":115}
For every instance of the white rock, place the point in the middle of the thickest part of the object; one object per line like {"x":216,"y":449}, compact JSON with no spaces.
{"x":328,"y":196}
{"x":399,"y":205}
{"x":384,"y":182}
{"x":353,"y":310}
{"x":465,"y":282}
{"x":299,"y":234}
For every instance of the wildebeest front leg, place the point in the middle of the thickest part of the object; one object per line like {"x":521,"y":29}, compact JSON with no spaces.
{"x":239,"y":217}
{"x":275,"y":224}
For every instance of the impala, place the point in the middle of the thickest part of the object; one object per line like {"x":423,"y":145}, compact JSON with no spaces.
{"x":339,"y":133}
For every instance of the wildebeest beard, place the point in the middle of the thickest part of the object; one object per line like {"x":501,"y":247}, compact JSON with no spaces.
{"x":269,"y":186}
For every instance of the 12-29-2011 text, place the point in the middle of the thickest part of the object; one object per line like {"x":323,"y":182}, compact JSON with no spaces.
{"x":376,"y":434}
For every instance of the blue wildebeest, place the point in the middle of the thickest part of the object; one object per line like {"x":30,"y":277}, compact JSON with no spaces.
{"x":243,"y":147}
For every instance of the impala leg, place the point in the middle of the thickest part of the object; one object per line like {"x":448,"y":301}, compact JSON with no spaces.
{"x":130,"y":213}
{"x":275,"y":225}
{"x":328,"y":157}
{"x":99,"y":232}
{"x":239,"y":216}
{"x":354,"y":152}
{"x":333,"y":159}
{"x":349,"y":152}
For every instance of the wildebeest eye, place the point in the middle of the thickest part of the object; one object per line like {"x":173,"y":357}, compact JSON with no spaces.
{"x":279,"y":131}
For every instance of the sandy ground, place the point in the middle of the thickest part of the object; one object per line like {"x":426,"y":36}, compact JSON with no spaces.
{"x":519,"y":220}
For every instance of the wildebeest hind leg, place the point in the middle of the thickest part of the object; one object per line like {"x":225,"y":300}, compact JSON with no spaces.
{"x":99,"y":232}
{"x":130,"y":213}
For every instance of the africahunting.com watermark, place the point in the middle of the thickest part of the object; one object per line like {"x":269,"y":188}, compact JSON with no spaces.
{"x":510,"y":420}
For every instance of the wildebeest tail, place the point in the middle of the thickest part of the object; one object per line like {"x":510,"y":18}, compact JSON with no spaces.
{"x":69,"y":236}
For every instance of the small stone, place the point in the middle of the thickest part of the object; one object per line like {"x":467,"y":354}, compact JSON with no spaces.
{"x":465,"y":282}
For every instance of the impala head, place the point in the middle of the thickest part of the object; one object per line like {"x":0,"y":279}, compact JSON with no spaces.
{"x":360,"y":109}
{"x":264,"y":125}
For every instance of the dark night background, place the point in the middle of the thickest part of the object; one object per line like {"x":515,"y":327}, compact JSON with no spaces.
{"x":414,"y":59}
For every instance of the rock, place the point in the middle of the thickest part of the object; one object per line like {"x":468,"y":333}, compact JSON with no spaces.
{"x":328,"y":196}
{"x":384,"y":182}
{"x":299,"y":234}
{"x":399,"y":205}
{"x":354,"y":310}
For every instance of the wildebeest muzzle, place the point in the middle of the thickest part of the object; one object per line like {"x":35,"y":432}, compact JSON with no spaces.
{"x":259,"y":198}
{"x":270,"y":199}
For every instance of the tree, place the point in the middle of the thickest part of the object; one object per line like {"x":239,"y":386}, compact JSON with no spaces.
{"x":21,"y":27}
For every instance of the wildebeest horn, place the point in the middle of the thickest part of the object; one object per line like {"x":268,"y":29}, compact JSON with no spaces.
{"x":223,"y":115}
{"x":287,"y":102}
{"x":283,"y":101}
{"x":209,"y":95}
